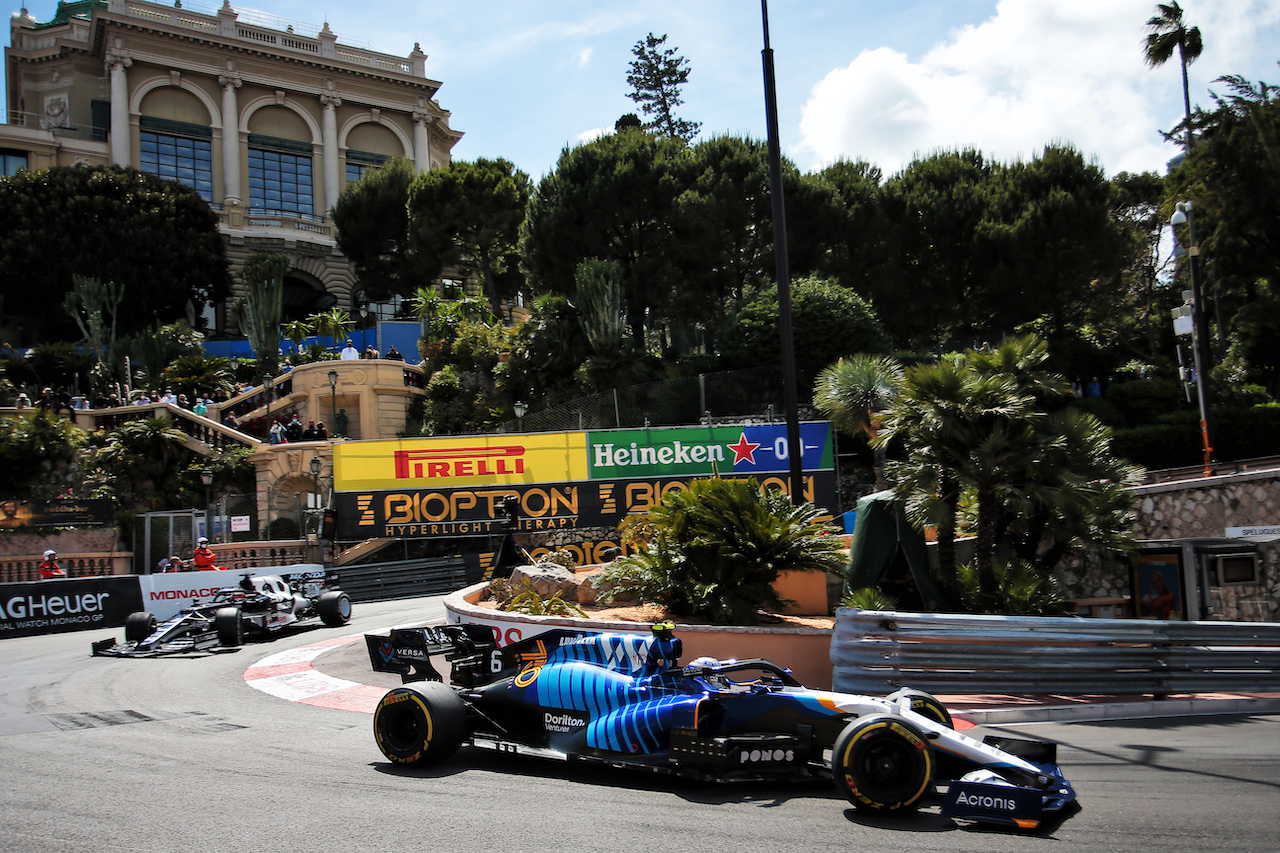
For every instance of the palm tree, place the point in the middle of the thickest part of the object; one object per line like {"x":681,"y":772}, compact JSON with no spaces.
{"x":141,"y":456}
{"x":854,"y":392}
{"x":198,"y":374}
{"x":1167,"y":32}
{"x":335,"y":322}
{"x":296,"y":330}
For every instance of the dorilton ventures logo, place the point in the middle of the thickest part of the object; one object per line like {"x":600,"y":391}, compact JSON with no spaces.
{"x":426,"y":464}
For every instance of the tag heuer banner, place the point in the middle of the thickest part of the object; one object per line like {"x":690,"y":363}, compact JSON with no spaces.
{"x":455,"y":486}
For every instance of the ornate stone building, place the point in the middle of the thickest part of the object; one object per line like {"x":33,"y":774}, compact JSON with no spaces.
{"x":268,"y":120}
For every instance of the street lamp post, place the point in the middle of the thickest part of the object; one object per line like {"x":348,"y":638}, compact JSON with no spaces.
{"x":206,"y":477}
{"x":790,"y":393}
{"x":333,"y":401}
{"x":1185,"y":215}
{"x":316,"y":465}
{"x":520,"y":408}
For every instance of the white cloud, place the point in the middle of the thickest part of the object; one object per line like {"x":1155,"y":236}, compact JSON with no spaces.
{"x":1034,"y":73}
{"x":592,"y":134}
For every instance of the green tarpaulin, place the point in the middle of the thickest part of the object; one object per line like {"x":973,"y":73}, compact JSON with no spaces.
{"x":888,"y":553}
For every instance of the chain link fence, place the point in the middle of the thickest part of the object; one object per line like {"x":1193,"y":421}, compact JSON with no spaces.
{"x":755,"y":392}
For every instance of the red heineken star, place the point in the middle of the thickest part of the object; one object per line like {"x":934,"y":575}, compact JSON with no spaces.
{"x":744,"y":450}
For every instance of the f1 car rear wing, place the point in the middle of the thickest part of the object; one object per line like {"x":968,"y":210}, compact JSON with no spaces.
{"x":408,"y":652}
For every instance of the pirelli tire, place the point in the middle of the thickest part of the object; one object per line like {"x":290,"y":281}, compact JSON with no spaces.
{"x":926,"y":705}
{"x":883,"y":764}
{"x":420,"y":723}
{"x":139,"y":626}
{"x":334,"y":608}
{"x":228,"y":625}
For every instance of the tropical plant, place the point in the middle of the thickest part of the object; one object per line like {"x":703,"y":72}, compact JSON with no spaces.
{"x":980,"y":451}
{"x":1166,"y":33}
{"x":258,"y":311}
{"x":719,"y":546}
{"x":335,"y":323}
{"x":869,"y":598}
{"x":853,"y":394}
{"x":141,"y":461}
{"x":296,"y":331}
{"x":1020,"y":590}
{"x":198,"y":375}
{"x":153,"y":350}
{"x":94,"y":306}
{"x":36,"y":448}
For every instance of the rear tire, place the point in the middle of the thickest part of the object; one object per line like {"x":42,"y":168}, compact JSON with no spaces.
{"x":925,"y":705}
{"x":420,"y":723}
{"x":882,"y":764}
{"x":229,"y":627}
{"x":334,"y":608}
{"x":139,"y":626}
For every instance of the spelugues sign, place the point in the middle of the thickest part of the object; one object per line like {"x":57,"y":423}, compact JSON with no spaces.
{"x":457,"y":486}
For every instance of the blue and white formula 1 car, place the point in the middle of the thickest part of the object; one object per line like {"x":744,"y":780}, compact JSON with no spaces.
{"x":258,"y":605}
{"x":624,"y":699}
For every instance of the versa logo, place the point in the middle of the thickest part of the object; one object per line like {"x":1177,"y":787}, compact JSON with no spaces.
{"x":459,"y":462}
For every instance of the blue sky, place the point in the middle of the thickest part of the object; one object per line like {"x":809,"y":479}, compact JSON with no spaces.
{"x":858,"y":79}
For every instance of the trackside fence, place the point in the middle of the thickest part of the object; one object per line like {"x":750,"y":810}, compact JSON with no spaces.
{"x":403,"y":579}
{"x":877,"y":652}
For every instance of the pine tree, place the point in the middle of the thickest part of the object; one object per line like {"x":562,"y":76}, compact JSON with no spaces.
{"x":657,"y":74}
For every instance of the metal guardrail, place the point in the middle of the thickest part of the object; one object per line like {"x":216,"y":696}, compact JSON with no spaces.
{"x":404,"y":579}
{"x":878,"y":652}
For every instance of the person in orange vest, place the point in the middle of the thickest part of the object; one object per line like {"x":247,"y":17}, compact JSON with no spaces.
{"x":50,"y":569}
{"x":203,"y":556}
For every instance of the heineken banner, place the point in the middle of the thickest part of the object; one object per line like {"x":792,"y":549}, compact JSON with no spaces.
{"x":455,"y":486}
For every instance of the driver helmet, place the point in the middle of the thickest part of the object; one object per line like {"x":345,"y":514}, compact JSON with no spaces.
{"x":700,"y":664}
{"x":202,"y":541}
{"x":50,"y":553}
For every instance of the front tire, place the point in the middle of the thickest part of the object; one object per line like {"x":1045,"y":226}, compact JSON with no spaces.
{"x":924,"y":704}
{"x":882,"y":764}
{"x":420,"y":723}
{"x":139,"y":626}
{"x":334,"y":608}
{"x":228,"y":626}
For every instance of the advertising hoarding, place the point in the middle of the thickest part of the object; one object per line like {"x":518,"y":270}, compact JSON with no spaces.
{"x":74,"y":604}
{"x":456,"y":486}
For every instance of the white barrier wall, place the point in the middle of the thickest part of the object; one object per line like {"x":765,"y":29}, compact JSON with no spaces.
{"x":164,"y":595}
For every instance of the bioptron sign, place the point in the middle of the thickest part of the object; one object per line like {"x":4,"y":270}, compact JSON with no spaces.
{"x":455,"y":486}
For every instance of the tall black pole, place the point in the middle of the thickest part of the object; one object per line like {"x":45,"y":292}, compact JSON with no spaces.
{"x":784,"y":273}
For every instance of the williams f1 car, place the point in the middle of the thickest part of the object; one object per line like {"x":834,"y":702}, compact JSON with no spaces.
{"x":258,"y":605}
{"x":625,"y":700}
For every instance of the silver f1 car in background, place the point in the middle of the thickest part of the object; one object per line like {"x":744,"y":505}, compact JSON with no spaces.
{"x":258,"y":605}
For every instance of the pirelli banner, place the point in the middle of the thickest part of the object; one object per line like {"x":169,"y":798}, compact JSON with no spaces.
{"x":455,"y":486}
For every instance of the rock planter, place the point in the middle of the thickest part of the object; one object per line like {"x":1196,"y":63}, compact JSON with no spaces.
{"x":803,"y":648}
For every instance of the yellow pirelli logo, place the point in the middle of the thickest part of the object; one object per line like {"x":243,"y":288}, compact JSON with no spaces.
{"x":451,"y":462}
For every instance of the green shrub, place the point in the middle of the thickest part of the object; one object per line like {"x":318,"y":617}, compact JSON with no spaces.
{"x":869,"y":598}
{"x":715,"y":550}
{"x":1157,"y":446}
{"x":1021,"y":590}
{"x":1142,"y":400}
